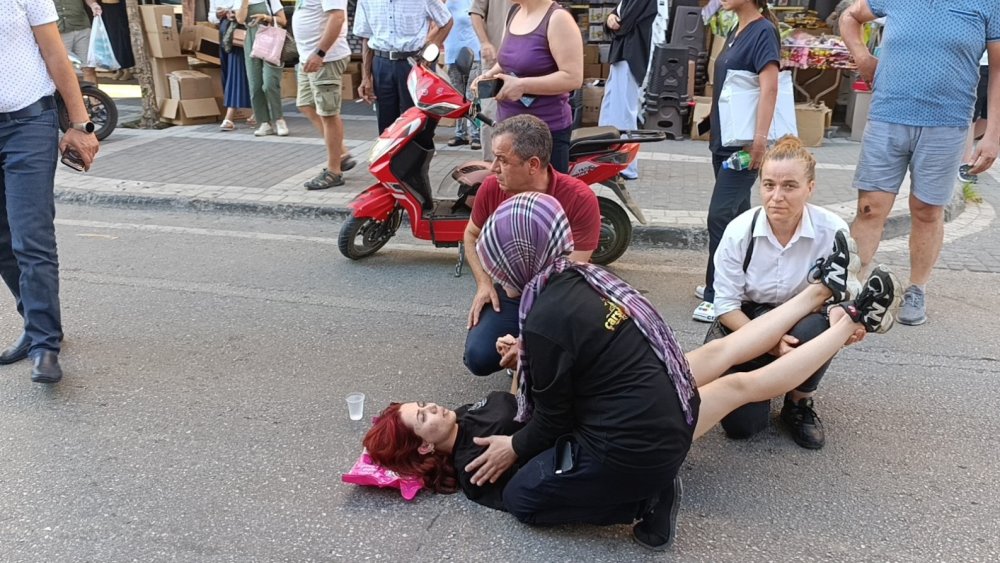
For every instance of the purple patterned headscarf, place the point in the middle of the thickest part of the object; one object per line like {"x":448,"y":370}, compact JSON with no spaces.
{"x":525,"y":242}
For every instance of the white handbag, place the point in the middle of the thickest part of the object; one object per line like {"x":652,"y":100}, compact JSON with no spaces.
{"x":738,"y":102}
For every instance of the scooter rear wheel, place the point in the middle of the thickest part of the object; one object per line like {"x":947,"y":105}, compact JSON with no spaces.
{"x":360,"y":238}
{"x":101,"y":108}
{"x":616,"y":233}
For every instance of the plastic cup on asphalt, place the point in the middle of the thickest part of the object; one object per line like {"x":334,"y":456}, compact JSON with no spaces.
{"x":356,"y":405}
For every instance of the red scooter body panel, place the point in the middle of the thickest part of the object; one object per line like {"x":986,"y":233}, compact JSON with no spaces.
{"x":377,"y":202}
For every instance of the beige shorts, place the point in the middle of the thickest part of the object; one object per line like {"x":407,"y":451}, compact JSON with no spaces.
{"x":321,"y":89}
{"x":77,"y":42}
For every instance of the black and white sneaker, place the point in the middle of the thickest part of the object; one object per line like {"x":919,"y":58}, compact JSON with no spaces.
{"x":878,"y":302}
{"x":658,"y":527}
{"x":839,"y":270}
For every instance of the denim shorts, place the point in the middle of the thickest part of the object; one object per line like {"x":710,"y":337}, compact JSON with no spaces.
{"x":932,"y":154}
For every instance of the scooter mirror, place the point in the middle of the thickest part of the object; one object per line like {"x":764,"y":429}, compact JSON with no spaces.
{"x":464,"y":60}
{"x":431,"y":53}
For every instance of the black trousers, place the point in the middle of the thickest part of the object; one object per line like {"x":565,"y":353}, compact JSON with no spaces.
{"x":751,"y":418}
{"x":389,"y":81}
{"x":590,"y":493}
{"x":730,"y":197}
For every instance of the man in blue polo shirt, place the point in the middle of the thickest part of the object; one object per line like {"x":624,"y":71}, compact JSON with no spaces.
{"x":924,"y":90}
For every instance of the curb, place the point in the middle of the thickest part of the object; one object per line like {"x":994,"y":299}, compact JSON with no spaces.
{"x":685,"y":238}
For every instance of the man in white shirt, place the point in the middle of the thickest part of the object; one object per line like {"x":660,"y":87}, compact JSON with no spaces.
{"x":320,"y":31}
{"x":33,"y":66}
{"x":391,"y":32}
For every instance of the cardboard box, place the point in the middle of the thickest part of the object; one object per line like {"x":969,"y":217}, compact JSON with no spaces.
{"x":591,"y":55}
{"x":702,"y":110}
{"x":446,"y":122}
{"x":289,"y":84}
{"x":709,"y":90}
{"x":596,"y":15}
{"x":692,"y":70}
{"x":812,"y":121}
{"x":206,"y":47}
{"x":593,"y":95}
{"x":593,"y":71}
{"x":161,"y":68}
{"x":160,"y":26}
{"x":215,"y":73}
{"x":190,"y":112}
{"x":718,"y":42}
{"x":349,"y":86}
{"x":190,"y":85}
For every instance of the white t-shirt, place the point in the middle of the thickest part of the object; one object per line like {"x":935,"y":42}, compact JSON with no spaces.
{"x":25,"y":76}
{"x":308,"y":24}
{"x":985,"y":61}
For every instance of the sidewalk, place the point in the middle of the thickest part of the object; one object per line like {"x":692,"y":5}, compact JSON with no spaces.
{"x":200,"y":167}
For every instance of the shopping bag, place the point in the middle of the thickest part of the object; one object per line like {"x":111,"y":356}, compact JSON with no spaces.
{"x":99,"y":52}
{"x":738,"y":108}
{"x":268,"y":44}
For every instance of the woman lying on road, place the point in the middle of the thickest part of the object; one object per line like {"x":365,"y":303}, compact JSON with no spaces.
{"x":608,"y":404}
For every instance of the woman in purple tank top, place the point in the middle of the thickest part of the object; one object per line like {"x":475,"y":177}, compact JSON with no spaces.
{"x":540,"y":62}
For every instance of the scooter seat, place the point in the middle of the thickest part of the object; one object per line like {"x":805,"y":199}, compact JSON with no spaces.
{"x":590,"y":140}
{"x":594,"y":134}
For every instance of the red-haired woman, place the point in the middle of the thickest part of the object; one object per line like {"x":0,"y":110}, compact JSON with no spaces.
{"x":608,"y":404}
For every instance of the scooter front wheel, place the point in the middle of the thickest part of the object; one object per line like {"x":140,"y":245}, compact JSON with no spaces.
{"x":616,"y":233}
{"x":360,"y":238}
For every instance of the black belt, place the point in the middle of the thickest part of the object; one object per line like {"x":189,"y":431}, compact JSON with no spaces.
{"x":34,"y":110}
{"x":395,"y":55}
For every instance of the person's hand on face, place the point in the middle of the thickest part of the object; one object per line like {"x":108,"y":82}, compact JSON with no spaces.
{"x":491,"y":464}
{"x":486,"y":295}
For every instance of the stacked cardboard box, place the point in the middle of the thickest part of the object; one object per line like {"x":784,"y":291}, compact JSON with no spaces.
{"x":593,"y":95}
{"x":192,"y":99}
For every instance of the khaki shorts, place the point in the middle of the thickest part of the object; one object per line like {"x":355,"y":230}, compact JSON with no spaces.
{"x":321,"y":89}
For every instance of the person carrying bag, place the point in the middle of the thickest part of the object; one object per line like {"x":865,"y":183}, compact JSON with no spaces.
{"x":265,"y":20}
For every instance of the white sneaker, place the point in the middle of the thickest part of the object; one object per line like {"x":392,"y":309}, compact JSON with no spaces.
{"x":704,"y":313}
{"x":699,"y":292}
{"x":282,"y":127}
{"x":263,"y":130}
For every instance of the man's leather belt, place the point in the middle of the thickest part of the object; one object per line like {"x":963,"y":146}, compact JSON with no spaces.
{"x":395,"y":55}
{"x":34,"y":110}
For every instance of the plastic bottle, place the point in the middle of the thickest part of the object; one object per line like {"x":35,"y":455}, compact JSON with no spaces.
{"x":740,"y":160}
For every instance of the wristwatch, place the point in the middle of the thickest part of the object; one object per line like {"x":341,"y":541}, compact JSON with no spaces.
{"x":320,"y":53}
{"x":85,"y":127}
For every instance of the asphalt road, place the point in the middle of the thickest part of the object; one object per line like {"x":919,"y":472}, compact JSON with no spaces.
{"x":203,"y":417}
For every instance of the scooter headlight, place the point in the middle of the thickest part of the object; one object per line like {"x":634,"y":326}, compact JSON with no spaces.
{"x":381,"y":147}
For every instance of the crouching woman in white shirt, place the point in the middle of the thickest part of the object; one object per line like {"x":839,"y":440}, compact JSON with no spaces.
{"x":760,"y":264}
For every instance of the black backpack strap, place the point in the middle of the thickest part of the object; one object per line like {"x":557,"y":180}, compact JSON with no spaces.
{"x":749,"y":256}
{"x":510,"y":13}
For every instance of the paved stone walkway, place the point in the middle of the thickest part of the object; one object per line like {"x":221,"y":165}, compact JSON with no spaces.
{"x":201,"y":167}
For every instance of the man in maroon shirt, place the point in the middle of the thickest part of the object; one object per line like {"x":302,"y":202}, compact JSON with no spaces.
{"x":521,"y":148}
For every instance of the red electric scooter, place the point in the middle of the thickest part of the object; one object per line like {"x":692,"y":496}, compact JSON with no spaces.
{"x":401,"y":156}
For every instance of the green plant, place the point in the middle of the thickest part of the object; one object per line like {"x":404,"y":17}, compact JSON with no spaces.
{"x":970,"y":194}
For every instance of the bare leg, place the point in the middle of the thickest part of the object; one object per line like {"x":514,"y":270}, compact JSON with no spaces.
{"x":873,"y":208}
{"x":333,"y":135}
{"x":230,"y":114}
{"x":310,"y":113}
{"x":710,"y":361}
{"x":722,"y":396}
{"x":926,"y":239}
{"x":89,"y":74}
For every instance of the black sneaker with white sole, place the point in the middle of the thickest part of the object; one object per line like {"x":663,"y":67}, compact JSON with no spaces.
{"x":839,"y":270}
{"x":658,"y":526}
{"x":878,"y":302}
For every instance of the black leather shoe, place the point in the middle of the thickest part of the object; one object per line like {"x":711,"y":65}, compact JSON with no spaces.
{"x":16,"y":351}
{"x":802,"y":421}
{"x":46,"y":367}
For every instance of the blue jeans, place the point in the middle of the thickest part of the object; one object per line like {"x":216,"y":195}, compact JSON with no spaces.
{"x":29,"y":149}
{"x":481,"y":355}
{"x":389,"y":81}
